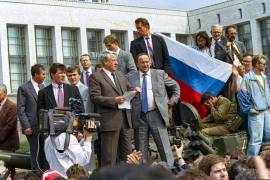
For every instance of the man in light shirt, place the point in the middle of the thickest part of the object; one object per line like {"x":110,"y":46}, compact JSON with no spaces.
{"x":254,"y":99}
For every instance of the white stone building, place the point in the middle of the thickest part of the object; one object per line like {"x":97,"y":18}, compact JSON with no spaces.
{"x":46,"y":31}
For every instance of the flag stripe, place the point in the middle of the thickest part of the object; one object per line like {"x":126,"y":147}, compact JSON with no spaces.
{"x":199,"y":61}
{"x":195,"y":79}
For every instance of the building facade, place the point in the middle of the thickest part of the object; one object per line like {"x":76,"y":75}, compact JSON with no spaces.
{"x":47,"y":31}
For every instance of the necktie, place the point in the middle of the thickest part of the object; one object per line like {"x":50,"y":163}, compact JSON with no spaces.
{"x":116,"y":83}
{"x":235,"y":52}
{"x":60,"y":96}
{"x":150,"y":52}
{"x":87,"y":77}
{"x":144,"y":94}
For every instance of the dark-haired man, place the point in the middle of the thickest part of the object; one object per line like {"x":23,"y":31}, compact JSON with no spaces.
{"x":235,"y":49}
{"x":27,"y":110}
{"x":57,"y":94}
{"x":151,"y":44}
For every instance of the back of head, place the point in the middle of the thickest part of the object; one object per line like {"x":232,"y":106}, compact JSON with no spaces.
{"x":116,"y":173}
{"x":152,"y":173}
{"x":192,"y":174}
{"x":208,"y":161}
{"x":236,"y":168}
{"x":76,"y":171}
{"x":249,"y":174}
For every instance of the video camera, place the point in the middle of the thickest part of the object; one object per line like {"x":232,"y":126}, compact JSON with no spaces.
{"x":66,"y":119}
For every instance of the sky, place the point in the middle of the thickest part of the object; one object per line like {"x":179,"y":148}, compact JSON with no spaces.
{"x":183,"y":5}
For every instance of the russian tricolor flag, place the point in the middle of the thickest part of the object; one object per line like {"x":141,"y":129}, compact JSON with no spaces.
{"x":196,"y":72}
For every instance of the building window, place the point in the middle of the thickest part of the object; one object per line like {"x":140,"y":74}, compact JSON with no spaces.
{"x":44,"y":48}
{"x":94,"y":39}
{"x":181,"y":38}
{"x":244,"y":35}
{"x":167,"y":34}
{"x":70,"y":47}
{"x":16,"y":56}
{"x":218,"y":18}
{"x":265,"y":34}
{"x":199,"y":23}
{"x":121,"y":37}
{"x":240,"y":13}
{"x":263,"y":8}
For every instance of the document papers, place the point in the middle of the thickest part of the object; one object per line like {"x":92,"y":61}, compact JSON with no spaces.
{"x":128,"y":95}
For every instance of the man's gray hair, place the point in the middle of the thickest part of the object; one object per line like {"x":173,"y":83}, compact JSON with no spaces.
{"x":3,"y":88}
{"x":216,"y":26}
{"x":106,"y":55}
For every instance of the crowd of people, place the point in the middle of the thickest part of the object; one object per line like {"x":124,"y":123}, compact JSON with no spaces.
{"x":133,"y":92}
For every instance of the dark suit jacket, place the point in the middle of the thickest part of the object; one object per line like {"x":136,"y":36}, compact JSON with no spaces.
{"x":102,"y":93}
{"x":160,"y":51}
{"x":27,"y":107}
{"x":220,"y":50}
{"x":9,"y":137}
{"x":47,"y":101}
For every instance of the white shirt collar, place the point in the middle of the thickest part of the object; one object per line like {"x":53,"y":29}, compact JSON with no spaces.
{"x":148,"y":73}
{"x":34,"y":82}
{"x":107,"y":71}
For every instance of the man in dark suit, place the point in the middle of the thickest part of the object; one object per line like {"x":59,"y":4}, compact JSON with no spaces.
{"x":235,"y":49}
{"x":151,"y":44}
{"x":88,"y":69}
{"x":58,"y":93}
{"x":106,"y":91}
{"x":150,"y":110}
{"x":27,"y":110}
{"x":124,"y":59}
{"x":9,"y":137}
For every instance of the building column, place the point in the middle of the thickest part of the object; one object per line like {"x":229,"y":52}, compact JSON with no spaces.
{"x":57,"y":44}
{"x":31,"y":57}
{"x":4,"y":62}
{"x":130,"y":38}
{"x":83,"y":49}
{"x":173,"y":36}
{"x":256,"y":36}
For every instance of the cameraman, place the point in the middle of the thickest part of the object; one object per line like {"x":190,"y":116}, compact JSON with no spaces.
{"x":61,"y":158}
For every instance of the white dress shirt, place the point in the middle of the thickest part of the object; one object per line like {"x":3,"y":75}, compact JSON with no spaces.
{"x":74,"y":154}
{"x":213,"y":46}
{"x":35,"y":84}
{"x":109,"y":73}
{"x":150,"y":94}
{"x":150,"y":42}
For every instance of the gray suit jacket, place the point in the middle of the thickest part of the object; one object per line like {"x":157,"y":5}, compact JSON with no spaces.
{"x":160,"y":83}
{"x":27,"y":107}
{"x":102,"y":93}
{"x":84,"y":91}
{"x":126,"y":63}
